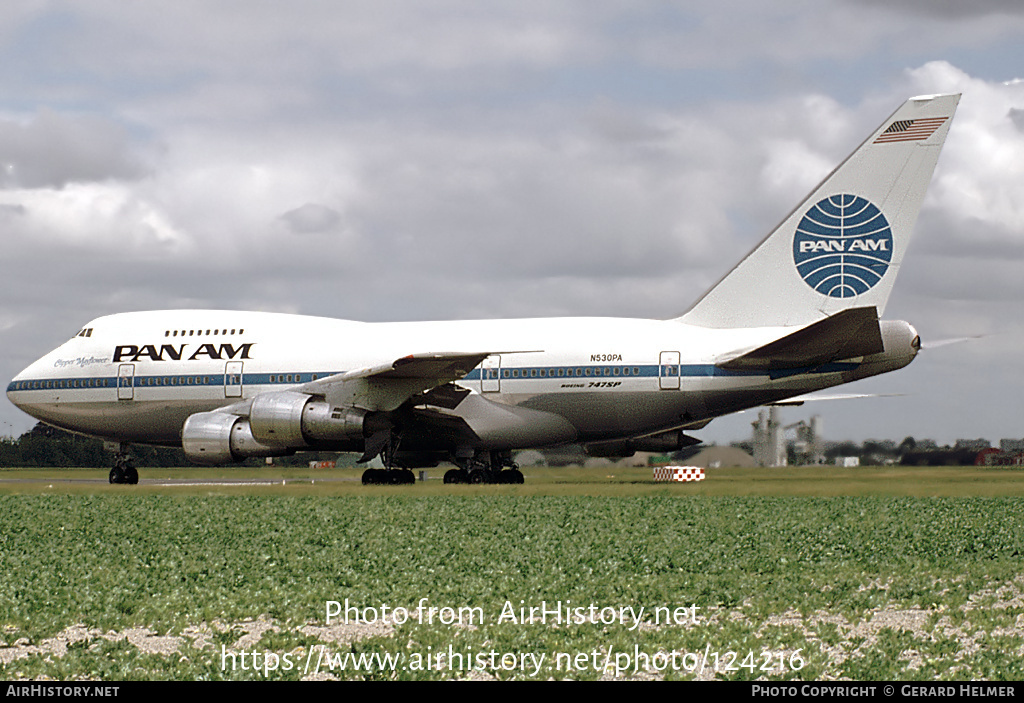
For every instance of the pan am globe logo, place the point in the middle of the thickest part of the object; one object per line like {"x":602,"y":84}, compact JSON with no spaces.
{"x":842,"y":246}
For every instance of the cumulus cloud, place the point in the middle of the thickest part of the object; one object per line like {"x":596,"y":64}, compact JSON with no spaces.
{"x":949,"y":8}
{"x":99,"y":218}
{"x":311,"y":218}
{"x":976,"y":193}
{"x":50,"y":149}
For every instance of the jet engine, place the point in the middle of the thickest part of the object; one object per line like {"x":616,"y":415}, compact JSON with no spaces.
{"x":277,"y":424}
{"x":665,"y":442}
{"x":222,"y":438}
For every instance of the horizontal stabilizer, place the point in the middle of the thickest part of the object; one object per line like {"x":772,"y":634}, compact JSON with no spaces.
{"x":801,"y":399}
{"x":847,"y":334}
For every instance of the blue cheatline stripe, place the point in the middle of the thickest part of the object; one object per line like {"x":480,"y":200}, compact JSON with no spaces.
{"x":507,"y":373}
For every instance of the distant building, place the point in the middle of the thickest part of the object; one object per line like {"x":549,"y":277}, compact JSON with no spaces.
{"x":975,"y":445}
{"x":769,"y":438}
{"x":999,"y":457}
{"x":721,"y":457}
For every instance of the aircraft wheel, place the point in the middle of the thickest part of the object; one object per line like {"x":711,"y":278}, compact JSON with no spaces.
{"x":516,"y":476}
{"x":117,"y":475}
{"x":131,"y":475}
{"x":453,"y":476}
{"x":478,"y":476}
{"x":369,"y":477}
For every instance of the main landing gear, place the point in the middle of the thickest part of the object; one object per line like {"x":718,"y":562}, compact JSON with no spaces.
{"x":388,"y":477}
{"x":481,"y":467}
{"x":391,"y":474}
{"x":124,"y":467}
{"x":486,"y":469}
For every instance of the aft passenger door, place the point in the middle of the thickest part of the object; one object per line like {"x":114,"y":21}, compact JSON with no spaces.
{"x":490,"y":374}
{"x":668,"y":370}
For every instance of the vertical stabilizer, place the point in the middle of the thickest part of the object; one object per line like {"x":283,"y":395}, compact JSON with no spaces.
{"x":843,"y":245}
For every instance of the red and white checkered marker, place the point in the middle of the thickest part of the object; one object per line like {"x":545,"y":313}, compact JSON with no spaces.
{"x":678,"y":473}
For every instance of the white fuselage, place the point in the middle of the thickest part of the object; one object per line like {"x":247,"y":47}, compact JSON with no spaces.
{"x":136,"y":377}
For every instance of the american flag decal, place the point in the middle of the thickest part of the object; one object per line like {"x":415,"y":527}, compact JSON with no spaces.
{"x":910,"y":130}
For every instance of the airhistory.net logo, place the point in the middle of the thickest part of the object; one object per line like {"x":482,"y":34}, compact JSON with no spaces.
{"x":842,"y":246}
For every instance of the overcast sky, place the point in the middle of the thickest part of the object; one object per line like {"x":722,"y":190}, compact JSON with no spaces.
{"x":389,"y":160}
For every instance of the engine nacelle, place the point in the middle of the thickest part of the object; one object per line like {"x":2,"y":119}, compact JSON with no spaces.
{"x":278,"y":424}
{"x":665,"y":442}
{"x":276,"y":418}
{"x":291,"y":419}
{"x":222,"y":438}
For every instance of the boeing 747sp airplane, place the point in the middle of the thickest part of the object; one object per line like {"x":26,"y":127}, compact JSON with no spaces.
{"x":799,"y":313}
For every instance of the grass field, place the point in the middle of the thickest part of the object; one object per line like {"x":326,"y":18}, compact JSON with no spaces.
{"x":792,"y":573}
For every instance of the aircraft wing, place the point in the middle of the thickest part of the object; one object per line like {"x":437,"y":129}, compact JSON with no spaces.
{"x":847,"y":334}
{"x":387,"y":386}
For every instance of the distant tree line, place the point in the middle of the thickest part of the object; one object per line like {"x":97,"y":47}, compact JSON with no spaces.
{"x":909,"y":452}
{"x":45,"y":446}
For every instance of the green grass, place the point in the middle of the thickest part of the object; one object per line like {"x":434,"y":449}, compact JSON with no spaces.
{"x":815,"y":577}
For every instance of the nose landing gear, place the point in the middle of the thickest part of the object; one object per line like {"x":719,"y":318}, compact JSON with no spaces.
{"x":124,"y":467}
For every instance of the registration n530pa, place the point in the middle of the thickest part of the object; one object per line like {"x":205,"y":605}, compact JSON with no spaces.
{"x":799,"y":313}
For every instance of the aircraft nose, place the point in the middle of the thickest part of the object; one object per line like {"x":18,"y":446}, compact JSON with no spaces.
{"x":17,"y":387}
{"x":13,"y":394}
